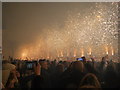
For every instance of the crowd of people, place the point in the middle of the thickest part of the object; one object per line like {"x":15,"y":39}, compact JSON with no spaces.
{"x":60,"y":74}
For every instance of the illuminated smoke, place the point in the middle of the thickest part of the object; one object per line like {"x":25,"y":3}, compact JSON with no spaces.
{"x":93,"y":32}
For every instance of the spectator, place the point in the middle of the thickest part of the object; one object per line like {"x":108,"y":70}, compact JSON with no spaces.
{"x":38,"y":81}
{"x":110,"y":76}
{"x":50,"y":74}
{"x":90,"y":80}
{"x":45,"y":74}
{"x":75,"y":76}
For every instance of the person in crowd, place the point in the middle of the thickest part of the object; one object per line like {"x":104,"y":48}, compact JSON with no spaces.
{"x":45,"y":74}
{"x":89,"y":81}
{"x":61,"y":74}
{"x":91,"y":69}
{"x":11,"y":75}
{"x":84,"y":59}
{"x":38,"y":81}
{"x":75,"y":76}
{"x":110,"y":76}
{"x":56,"y":75}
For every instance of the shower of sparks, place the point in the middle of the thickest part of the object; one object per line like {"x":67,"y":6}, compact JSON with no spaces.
{"x":91,"y":32}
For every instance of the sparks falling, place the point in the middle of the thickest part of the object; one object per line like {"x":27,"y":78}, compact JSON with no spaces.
{"x":81,"y":33}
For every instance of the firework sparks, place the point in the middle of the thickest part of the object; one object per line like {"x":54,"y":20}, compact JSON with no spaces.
{"x":89,"y":31}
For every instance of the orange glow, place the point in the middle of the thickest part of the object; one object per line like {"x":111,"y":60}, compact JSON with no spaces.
{"x":61,"y":54}
{"x":106,"y":49}
{"x":90,"y":51}
{"x":112,"y":50}
{"x":24,"y":55}
{"x":48,"y":56}
{"x":74,"y":53}
{"x":98,"y":16}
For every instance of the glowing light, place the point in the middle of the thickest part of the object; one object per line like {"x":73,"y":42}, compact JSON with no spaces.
{"x":106,"y":49}
{"x":112,"y":50}
{"x":48,"y":57}
{"x":94,"y":29}
{"x":98,"y":16}
{"x":61,"y":54}
{"x":90,"y":51}
{"x":75,"y":53}
{"x":24,"y":55}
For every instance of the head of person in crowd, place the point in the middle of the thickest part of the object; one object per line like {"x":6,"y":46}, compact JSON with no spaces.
{"x":78,"y":65}
{"x":90,"y":80}
{"x":103,"y":64}
{"x":84,"y":59}
{"x":111,"y":67}
{"x":89,"y":67}
{"x":43,"y":64}
{"x":10,"y":74}
{"x":60,"y":62}
{"x":70,"y":67}
{"x":8,"y":66}
{"x":110,"y":76}
{"x":5,"y":61}
{"x":103,"y":59}
{"x":12,"y":80}
{"x":60,"y":68}
{"x":66,"y":64}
